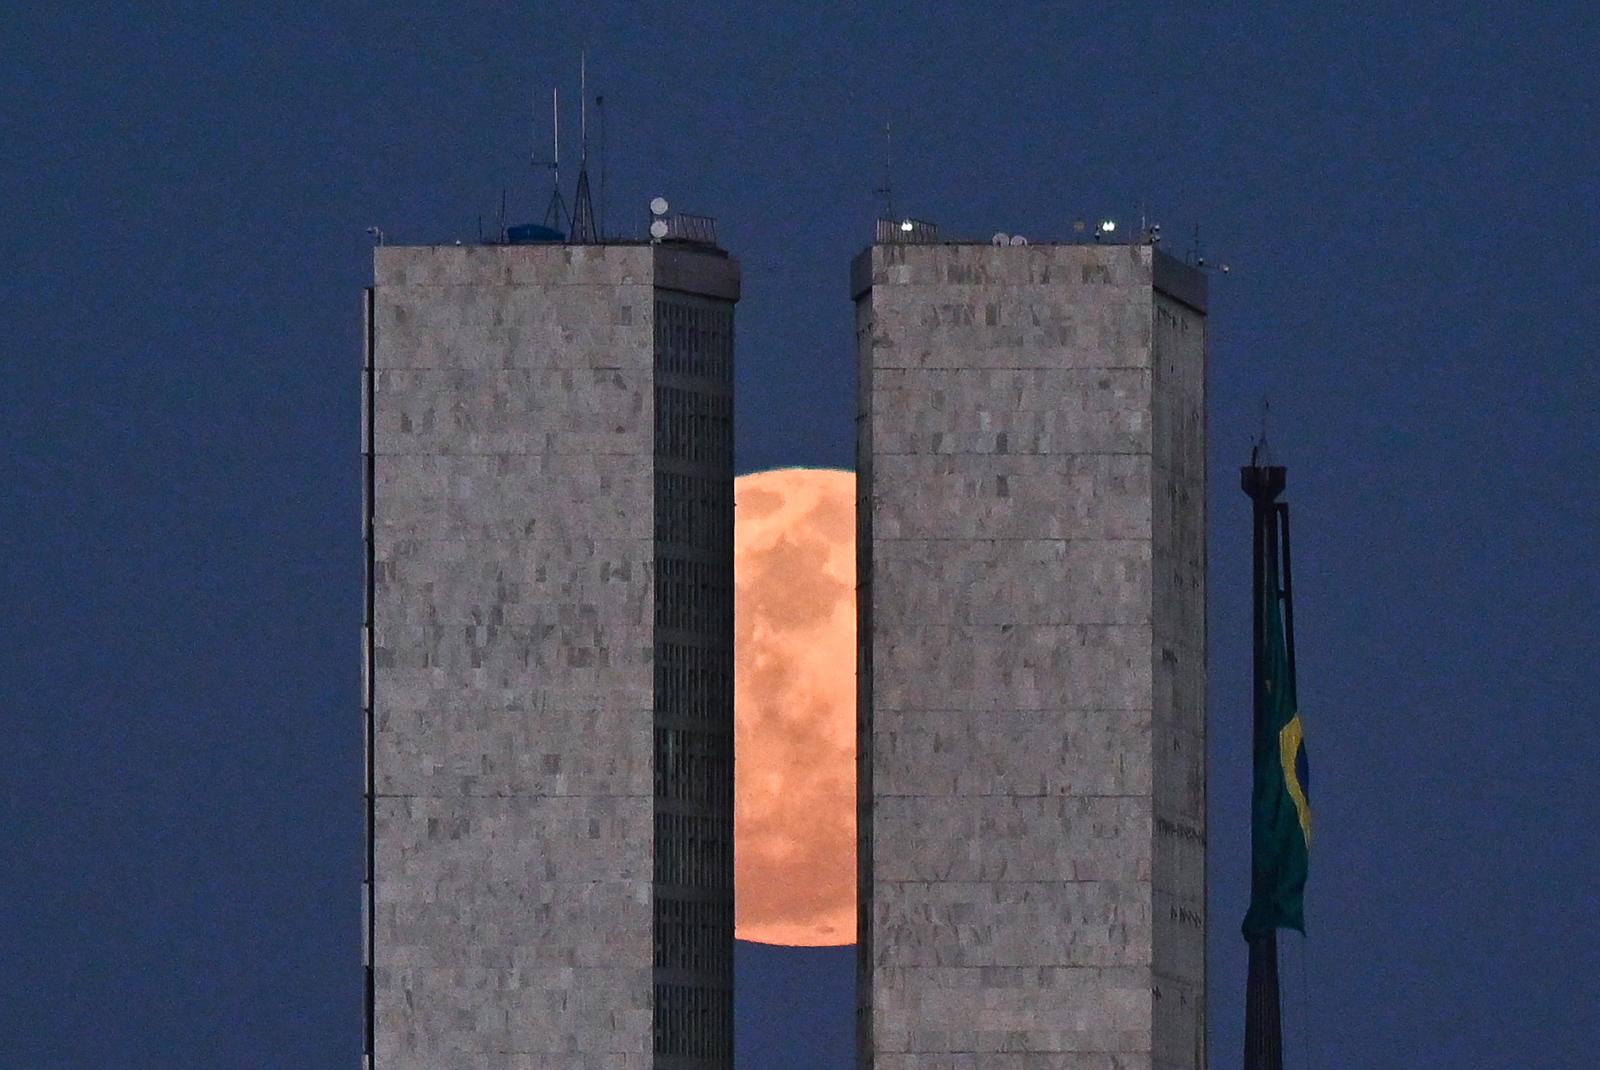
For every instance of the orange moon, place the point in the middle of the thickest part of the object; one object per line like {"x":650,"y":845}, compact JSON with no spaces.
{"x":794,"y":700}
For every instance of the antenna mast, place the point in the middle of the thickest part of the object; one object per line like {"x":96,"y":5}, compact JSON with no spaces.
{"x":583,"y":230}
{"x":888,"y":160}
{"x":600,"y":105}
{"x":556,"y":216}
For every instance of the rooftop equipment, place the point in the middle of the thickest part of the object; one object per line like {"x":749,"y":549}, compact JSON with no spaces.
{"x":906,"y":231}
{"x":532,"y":233}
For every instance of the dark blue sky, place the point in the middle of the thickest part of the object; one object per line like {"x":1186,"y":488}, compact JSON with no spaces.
{"x":1408,"y":199}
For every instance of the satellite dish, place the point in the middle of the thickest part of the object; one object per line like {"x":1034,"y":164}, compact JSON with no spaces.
{"x":1000,"y":238}
{"x":658,"y":206}
{"x":1018,"y":239}
{"x":658,"y":228}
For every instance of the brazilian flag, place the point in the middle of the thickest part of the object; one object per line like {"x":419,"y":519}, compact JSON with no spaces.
{"x":1281,"y":811}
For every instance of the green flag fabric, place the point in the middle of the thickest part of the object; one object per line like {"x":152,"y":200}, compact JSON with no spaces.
{"x":1281,"y":810}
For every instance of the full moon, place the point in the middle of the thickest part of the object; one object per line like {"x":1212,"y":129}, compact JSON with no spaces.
{"x":794,"y":707}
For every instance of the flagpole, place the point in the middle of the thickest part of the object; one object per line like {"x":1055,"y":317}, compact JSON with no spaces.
{"x":1263,"y":1020}
{"x":1288,"y":589}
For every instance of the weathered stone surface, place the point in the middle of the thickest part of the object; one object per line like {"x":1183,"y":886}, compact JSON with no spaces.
{"x":1031,"y":469}
{"x":516,"y":626}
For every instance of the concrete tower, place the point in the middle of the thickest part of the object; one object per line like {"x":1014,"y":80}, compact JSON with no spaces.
{"x":1031,"y":470}
{"x":549,"y":657}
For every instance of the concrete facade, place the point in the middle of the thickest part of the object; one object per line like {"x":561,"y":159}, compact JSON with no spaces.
{"x":1031,"y":520}
{"x":549,"y":651}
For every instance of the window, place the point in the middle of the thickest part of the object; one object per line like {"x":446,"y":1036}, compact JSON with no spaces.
{"x":693,"y":702}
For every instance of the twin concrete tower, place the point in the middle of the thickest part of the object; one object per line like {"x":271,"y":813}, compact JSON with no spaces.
{"x":549,"y":656}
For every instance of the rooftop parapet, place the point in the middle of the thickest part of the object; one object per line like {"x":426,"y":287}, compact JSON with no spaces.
{"x":906,"y":231}
{"x":935,"y":260}
{"x":686,"y":227}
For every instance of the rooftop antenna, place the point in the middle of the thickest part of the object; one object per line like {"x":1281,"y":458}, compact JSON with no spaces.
{"x":1149,"y":230}
{"x":600,"y":106}
{"x":582,"y":205}
{"x":555,"y":216}
{"x":1198,"y":257}
{"x":885,"y":190}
